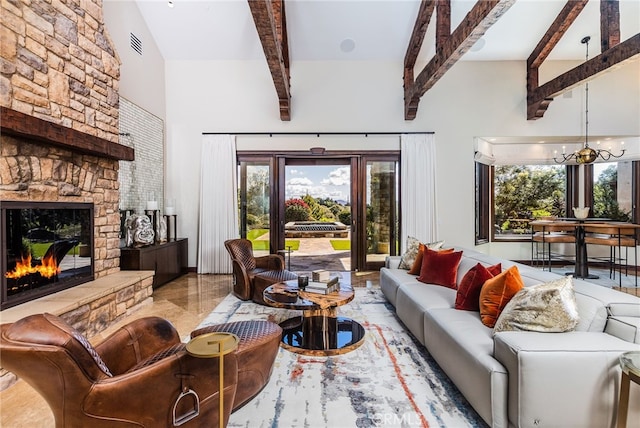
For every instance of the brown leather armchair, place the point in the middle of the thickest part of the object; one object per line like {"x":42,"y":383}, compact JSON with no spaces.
{"x":246,"y":268}
{"x":141,"y":375}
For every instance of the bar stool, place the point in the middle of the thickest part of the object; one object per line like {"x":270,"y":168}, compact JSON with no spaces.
{"x":548,"y":232}
{"x":615,"y":235}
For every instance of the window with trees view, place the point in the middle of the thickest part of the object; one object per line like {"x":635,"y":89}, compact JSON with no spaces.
{"x":521,"y":193}
{"x":612,"y":191}
{"x":525,"y":192}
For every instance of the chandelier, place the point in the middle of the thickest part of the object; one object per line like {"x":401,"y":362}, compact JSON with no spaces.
{"x":586,"y":155}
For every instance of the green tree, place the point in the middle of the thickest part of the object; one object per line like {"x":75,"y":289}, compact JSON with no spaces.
{"x":605,"y":196}
{"x":522,"y":190}
{"x":258,"y":191}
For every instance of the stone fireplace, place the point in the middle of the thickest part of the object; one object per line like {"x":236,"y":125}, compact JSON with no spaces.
{"x":60,"y":144}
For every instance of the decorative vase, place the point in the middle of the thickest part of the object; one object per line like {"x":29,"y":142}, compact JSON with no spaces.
{"x":581,"y":213}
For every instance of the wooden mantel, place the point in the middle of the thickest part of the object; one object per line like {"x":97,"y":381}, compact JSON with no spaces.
{"x":19,"y":124}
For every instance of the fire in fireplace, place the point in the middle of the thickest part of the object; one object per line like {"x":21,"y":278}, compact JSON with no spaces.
{"x":46,"y":247}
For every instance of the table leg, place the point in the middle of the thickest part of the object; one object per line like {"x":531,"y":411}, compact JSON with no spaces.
{"x":582,"y":264}
{"x":623,"y":405}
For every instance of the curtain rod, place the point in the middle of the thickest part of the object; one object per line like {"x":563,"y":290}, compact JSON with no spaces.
{"x":318,"y":134}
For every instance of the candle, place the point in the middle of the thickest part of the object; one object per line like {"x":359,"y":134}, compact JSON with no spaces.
{"x":152,"y":205}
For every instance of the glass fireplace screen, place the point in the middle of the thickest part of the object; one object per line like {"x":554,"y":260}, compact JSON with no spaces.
{"x":46,"y":247}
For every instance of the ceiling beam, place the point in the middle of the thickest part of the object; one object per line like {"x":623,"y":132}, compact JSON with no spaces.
{"x":563,"y":21}
{"x":539,"y":97}
{"x":413,"y":49}
{"x":270,"y":20}
{"x":609,"y":24}
{"x":616,"y":55}
{"x":479,"y":19}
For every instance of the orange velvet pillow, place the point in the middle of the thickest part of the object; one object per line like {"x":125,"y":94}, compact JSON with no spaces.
{"x":417,"y":264}
{"x":496,"y":293}
{"x":468,"y":296}
{"x":440,"y":267}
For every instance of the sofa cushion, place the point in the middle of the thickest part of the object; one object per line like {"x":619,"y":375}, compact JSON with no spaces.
{"x":440,"y":267}
{"x":496,"y":293}
{"x":417,"y":264}
{"x":468,"y":296}
{"x":548,"y":307}
{"x":411,"y":252}
{"x":414,"y":299}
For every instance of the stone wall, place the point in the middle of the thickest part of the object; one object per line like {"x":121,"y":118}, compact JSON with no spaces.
{"x":59,"y":64}
{"x":30,"y":171}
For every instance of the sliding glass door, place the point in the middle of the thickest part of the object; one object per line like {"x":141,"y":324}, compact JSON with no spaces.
{"x":336,"y":211}
{"x":254,"y":199}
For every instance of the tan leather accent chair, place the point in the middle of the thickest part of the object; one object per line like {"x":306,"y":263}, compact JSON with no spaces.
{"x":135,"y":377}
{"x":246,"y":267}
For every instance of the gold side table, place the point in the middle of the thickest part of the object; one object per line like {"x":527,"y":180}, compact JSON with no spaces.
{"x":630,"y":365}
{"x":211,"y":345}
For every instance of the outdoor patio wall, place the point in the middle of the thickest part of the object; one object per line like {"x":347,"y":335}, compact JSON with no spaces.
{"x":472,"y":99}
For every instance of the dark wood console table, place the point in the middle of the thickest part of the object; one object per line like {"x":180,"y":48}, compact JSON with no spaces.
{"x":168,"y":259}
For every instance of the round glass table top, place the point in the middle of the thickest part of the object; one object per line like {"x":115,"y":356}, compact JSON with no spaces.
{"x":630,"y":362}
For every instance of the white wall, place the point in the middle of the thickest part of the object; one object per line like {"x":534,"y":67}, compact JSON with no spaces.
{"x":472,"y":99}
{"x":142,"y":79}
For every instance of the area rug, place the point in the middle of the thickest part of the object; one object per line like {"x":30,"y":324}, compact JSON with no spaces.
{"x":389,"y":381}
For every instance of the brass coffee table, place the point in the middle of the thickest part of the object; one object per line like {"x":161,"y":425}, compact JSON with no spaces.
{"x":319,"y":330}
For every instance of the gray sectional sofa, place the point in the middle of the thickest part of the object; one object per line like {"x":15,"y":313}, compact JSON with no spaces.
{"x":517,"y":378}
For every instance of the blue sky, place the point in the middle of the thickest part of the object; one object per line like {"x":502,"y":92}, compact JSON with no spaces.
{"x":318,"y":181}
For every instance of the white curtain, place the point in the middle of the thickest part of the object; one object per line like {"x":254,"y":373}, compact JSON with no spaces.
{"x":418,"y":175}
{"x":218,"y":203}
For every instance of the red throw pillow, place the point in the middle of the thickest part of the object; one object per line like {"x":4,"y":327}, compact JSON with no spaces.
{"x":417,"y":264}
{"x":496,"y":293}
{"x":440,"y":267}
{"x":468,"y":296}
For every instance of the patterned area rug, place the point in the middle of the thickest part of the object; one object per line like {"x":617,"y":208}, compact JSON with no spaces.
{"x":389,"y":381}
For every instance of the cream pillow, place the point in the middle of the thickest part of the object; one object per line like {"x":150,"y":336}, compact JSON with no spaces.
{"x":410,"y":254}
{"x":550,"y":307}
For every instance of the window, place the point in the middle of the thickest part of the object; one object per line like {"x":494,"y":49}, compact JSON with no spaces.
{"x":509,"y":196}
{"x":524,"y":192}
{"x":482,"y":203}
{"x":612,"y":191}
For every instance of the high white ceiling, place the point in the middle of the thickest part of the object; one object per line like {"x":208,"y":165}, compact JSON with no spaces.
{"x":375,"y":29}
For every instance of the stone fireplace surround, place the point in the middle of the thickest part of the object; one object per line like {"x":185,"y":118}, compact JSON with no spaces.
{"x":59,"y":141}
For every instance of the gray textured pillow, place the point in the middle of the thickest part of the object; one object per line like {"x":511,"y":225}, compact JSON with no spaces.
{"x":410,"y":254}
{"x":550,"y":307}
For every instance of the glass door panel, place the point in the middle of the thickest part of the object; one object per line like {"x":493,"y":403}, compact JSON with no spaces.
{"x":317,"y":213}
{"x":254,"y":188}
{"x":381,"y":211}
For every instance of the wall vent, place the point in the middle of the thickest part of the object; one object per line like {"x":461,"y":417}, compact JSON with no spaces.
{"x":136,"y":44}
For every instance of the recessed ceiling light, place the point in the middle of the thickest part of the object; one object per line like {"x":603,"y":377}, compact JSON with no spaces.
{"x":347,"y":45}
{"x":170,"y":4}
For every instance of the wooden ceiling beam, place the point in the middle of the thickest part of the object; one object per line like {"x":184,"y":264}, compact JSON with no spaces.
{"x":479,"y":19}
{"x":270,"y":20}
{"x":539,"y":97}
{"x":563,"y":21}
{"x":609,"y":24}
{"x":616,"y":55}
{"x":413,"y":49}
